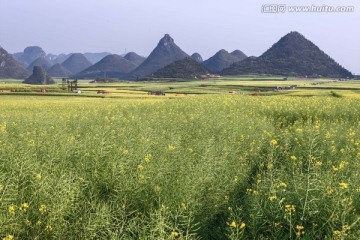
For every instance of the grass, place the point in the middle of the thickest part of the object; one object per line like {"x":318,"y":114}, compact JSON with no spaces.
{"x":208,"y":166}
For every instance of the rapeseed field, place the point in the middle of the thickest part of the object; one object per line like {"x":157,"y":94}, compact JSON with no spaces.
{"x":197,"y":167}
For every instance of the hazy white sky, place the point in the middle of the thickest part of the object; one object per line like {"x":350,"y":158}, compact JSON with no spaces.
{"x":204,"y":26}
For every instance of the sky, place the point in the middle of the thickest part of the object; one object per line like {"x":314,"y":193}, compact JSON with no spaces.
{"x":203,"y":26}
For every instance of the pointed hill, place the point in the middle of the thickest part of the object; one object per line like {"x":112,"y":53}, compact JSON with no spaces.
{"x":239,"y":54}
{"x":40,"y":61}
{"x":58,"y":70}
{"x":292,"y":55}
{"x":184,"y":68}
{"x":76,"y":63}
{"x":197,"y":57}
{"x":222,"y":59}
{"x":134,"y":58}
{"x":39,"y":76}
{"x":113,"y":66}
{"x":166,"y":52}
{"x":10,"y":68}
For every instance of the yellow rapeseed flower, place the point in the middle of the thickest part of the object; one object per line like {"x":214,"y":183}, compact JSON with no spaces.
{"x":293,"y":158}
{"x":344,"y":185}
{"x":272,"y":198}
{"x":171,"y":147}
{"x":38,"y":177}
{"x":48,"y":228}
{"x":42,"y":208}
{"x":346,"y":227}
{"x":31,"y":143}
{"x":24,"y":207}
{"x":148,"y":157}
{"x":8,"y":237}
{"x":282,"y":185}
{"x":299,"y":227}
{"x":12,"y":209}
{"x":273,"y":142}
{"x":3,"y":128}
{"x":342,"y":164}
{"x":175,"y":234}
{"x":236,"y":179}
{"x":290,"y":208}
{"x":329,"y":190}
{"x":318,"y":164}
{"x":242,"y":225}
{"x":183,"y":206}
{"x":233,"y":224}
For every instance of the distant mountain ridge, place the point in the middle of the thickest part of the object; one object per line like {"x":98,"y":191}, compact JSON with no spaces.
{"x":29,"y":55}
{"x":223,"y":59}
{"x":292,"y":55}
{"x":113,"y":66}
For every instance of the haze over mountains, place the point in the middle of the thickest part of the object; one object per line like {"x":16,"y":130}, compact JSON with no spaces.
{"x":29,"y":55}
{"x":292,"y":55}
{"x":42,"y":61}
{"x":113,"y":66}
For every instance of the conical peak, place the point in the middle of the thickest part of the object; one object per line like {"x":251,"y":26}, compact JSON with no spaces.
{"x":130,"y":55}
{"x":292,"y":36}
{"x":166,"y":40}
{"x":236,"y":52}
{"x":222,"y":52}
{"x":197,"y":57}
{"x":294,"y":33}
